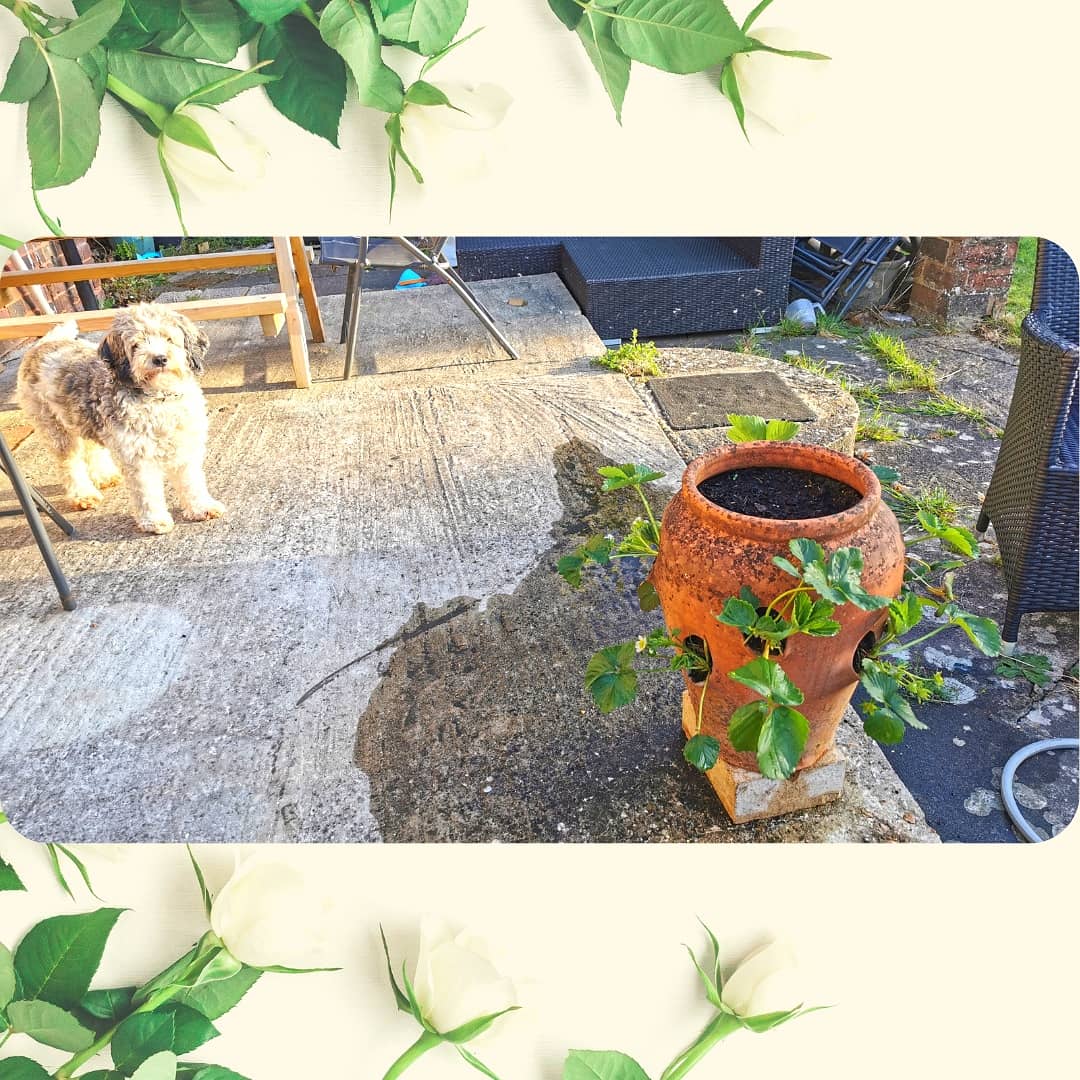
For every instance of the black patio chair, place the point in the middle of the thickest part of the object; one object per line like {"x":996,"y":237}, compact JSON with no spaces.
{"x":362,"y":253}
{"x":31,"y":505}
{"x":1033,"y":499}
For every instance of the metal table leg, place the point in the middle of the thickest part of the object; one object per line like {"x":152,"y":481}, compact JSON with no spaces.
{"x":355,"y":288}
{"x":25,"y":494}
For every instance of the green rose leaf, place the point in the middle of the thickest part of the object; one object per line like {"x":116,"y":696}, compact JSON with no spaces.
{"x":214,"y":999}
{"x":58,"y":957}
{"x":269,"y":11}
{"x":141,"y":1036}
{"x":767,"y":678}
{"x":621,"y":476}
{"x":171,"y":80}
{"x":49,"y":1025}
{"x":109,"y":1005}
{"x":602,"y":1065}
{"x":139,"y":22}
{"x":729,"y":87}
{"x":611,"y":63}
{"x":568,"y":11}
{"x":88,"y":30}
{"x":702,"y":751}
{"x":781,"y":742}
{"x":103,"y":1074}
{"x":422,"y":92}
{"x":744,"y":727}
{"x":62,"y":126}
{"x":346,"y":26}
{"x":21,"y":1068}
{"x":191,"y":1029}
{"x":27,"y":73}
{"x":95,"y":66}
{"x":208,"y":30}
{"x":9,"y":879}
{"x":683,"y":37}
{"x":311,"y":80}
{"x":160,"y":1066}
{"x":211,"y":1072}
{"x":7,"y":976}
{"x":610,"y":677}
{"x":430,"y":25}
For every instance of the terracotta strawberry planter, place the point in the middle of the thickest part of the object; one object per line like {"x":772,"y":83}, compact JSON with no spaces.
{"x":707,"y":553}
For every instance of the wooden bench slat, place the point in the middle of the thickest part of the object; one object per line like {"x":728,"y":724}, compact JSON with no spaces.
{"x":171,"y":264}
{"x":227,"y":307}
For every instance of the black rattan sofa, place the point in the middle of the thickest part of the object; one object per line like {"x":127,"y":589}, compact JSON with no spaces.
{"x":656,"y":285}
{"x":1033,"y":498}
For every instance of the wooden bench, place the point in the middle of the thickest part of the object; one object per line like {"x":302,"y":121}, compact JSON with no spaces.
{"x":274,"y":310}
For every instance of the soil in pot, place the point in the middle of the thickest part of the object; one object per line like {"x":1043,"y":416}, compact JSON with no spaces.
{"x":771,"y":491}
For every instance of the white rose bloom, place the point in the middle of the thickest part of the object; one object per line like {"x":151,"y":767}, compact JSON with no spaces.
{"x":449,"y":146}
{"x":269,"y":916}
{"x":767,"y":981}
{"x":244,"y":157}
{"x":784,"y":92}
{"x":455,"y":980}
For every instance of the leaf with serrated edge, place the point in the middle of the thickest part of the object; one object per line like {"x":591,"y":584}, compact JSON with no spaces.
{"x":601,"y":1065}
{"x":781,"y":742}
{"x":87,"y":31}
{"x":49,"y":1025}
{"x":209,"y":30}
{"x":429,"y":24}
{"x":683,"y":37}
{"x":346,"y":26}
{"x":610,"y":62}
{"x":27,"y":73}
{"x":63,"y":126}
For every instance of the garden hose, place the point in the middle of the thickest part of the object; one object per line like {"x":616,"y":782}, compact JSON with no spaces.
{"x":1008,"y":777}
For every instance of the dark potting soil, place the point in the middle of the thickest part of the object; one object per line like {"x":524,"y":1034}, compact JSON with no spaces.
{"x":770,"y":491}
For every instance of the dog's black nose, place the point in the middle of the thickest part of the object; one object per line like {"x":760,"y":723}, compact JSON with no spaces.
{"x":159,"y":361}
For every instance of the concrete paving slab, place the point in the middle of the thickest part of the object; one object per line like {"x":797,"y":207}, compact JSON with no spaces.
{"x":375,"y":633}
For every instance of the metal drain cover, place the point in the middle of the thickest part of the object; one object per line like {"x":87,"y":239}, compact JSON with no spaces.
{"x":704,"y":401}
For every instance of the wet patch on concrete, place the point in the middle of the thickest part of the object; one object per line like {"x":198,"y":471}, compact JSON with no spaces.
{"x":481,"y":730}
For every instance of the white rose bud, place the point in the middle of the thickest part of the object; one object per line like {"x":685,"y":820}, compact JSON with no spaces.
{"x":767,"y":981}
{"x":455,"y":979}
{"x":452,"y":146}
{"x":267,"y":915}
{"x":785,"y":92}
{"x":242,"y":158}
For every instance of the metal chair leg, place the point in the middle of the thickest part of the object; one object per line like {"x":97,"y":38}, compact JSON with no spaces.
{"x":23,"y":492}
{"x":355,"y":294}
{"x":47,"y":507}
{"x":457,"y":283}
{"x":350,"y":284}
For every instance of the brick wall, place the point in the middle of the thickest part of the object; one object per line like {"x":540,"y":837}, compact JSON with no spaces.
{"x":959,"y":280}
{"x":62,"y":296}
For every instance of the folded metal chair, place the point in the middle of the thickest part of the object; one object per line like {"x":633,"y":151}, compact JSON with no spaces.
{"x":362,"y":253}
{"x":1033,"y":500}
{"x":31,"y":504}
{"x":833,"y":270}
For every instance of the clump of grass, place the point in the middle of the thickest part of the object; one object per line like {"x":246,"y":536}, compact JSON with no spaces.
{"x":793,"y":328}
{"x":806,"y":363}
{"x":942,"y":404}
{"x":876,"y":428}
{"x":907,"y":503}
{"x":748,"y":345}
{"x":909,"y":373}
{"x":829,"y":325}
{"x":633,"y":357}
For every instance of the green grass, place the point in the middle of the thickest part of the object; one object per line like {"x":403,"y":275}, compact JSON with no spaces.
{"x":942,"y":404}
{"x":806,"y":363}
{"x":633,"y":357}
{"x":793,"y":328}
{"x":749,"y":345}
{"x":876,"y":428}
{"x":1023,"y":281}
{"x":906,"y":503}
{"x":833,"y":326}
{"x":909,"y":373}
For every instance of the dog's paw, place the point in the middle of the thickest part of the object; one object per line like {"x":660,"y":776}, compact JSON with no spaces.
{"x":86,"y":500}
{"x":106,"y":480}
{"x":204,"y":511}
{"x":157,"y":524}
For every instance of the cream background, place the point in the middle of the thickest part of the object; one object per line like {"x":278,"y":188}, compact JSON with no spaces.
{"x":933,"y":98}
{"x":959,"y":960}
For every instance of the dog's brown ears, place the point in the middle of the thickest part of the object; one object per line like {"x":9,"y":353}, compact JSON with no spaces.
{"x":196,"y":344}
{"x":112,"y":351}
